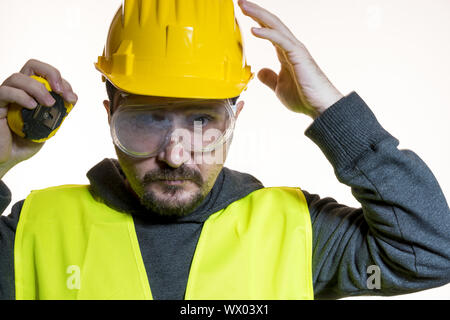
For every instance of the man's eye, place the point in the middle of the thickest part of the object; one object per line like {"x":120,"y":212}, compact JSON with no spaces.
{"x":156,"y":118}
{"x":202,"y":120}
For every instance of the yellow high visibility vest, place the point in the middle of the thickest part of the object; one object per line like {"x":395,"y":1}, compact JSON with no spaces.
{"x":70,"y":246}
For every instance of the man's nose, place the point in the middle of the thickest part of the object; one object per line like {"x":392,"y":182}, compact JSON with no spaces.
{"x":174,"y":154}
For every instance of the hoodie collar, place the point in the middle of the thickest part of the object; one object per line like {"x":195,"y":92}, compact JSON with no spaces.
{"x":108,"y":185}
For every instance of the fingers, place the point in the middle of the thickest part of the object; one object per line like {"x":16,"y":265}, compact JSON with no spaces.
{"x":69,"y":95}
{"x":12,"y":95}
{"x":32,"y":87}
{"x":276,"y":37}
{"x":53,"y":76}
{"x":265,"y":18}
{"x":273,"y":29}
{"x":269,"y":78}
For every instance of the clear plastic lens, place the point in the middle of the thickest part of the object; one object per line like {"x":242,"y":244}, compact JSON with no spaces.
{"x":142,"y":131}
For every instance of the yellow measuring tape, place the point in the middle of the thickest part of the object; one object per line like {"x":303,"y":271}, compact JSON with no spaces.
{"x":41,"y":123}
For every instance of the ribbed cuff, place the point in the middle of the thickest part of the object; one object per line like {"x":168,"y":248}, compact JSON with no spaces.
{"x":346,"y":130}
{"x":5,"y":196}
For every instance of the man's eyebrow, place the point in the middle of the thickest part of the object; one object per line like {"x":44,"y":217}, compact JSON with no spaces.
{"x":198,"y":109}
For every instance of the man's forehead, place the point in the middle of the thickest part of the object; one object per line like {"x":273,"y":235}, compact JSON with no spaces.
{"x":150,"y":100}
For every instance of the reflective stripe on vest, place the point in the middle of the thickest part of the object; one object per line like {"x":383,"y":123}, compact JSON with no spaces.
{"x":70,"y":246}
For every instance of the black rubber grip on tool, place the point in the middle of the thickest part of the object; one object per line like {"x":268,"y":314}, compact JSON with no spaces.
{"x":42,"y":121}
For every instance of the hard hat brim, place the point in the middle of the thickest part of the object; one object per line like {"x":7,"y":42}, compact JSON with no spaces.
{"x":177,"y":87}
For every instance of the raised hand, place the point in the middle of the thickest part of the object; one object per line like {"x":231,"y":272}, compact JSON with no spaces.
{"x":300,"y":85}
{"x":20,"y":89}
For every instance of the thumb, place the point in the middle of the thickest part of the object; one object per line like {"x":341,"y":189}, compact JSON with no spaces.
{"x":5,"y":141}
{"x":269,"y":78}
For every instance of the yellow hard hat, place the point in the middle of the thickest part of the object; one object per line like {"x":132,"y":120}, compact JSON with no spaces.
{"x":176,"y":48}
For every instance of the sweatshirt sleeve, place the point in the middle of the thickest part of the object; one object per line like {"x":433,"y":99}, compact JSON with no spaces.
{"x":403,"y":225}
{"x":8,"y":225}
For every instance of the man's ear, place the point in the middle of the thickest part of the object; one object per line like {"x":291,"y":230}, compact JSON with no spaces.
{"x":107,"y":106}
{"x":239,"y":108}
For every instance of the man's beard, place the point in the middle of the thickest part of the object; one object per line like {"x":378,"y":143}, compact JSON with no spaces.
{"x":168,"y":208}
{"x":171,"y":206}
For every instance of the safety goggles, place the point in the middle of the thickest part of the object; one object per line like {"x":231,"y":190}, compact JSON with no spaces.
{"x":142,"y":130}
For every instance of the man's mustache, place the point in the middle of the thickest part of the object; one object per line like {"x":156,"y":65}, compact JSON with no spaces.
{"x":181,"y":173}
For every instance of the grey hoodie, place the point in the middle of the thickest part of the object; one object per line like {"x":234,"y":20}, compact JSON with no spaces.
{"x":402,"y":226}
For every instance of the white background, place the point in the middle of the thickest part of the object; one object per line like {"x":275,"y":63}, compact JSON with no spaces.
{"x":395,"y":54}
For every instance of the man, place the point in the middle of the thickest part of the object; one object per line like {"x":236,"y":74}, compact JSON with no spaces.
{"x":168,"y":221}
